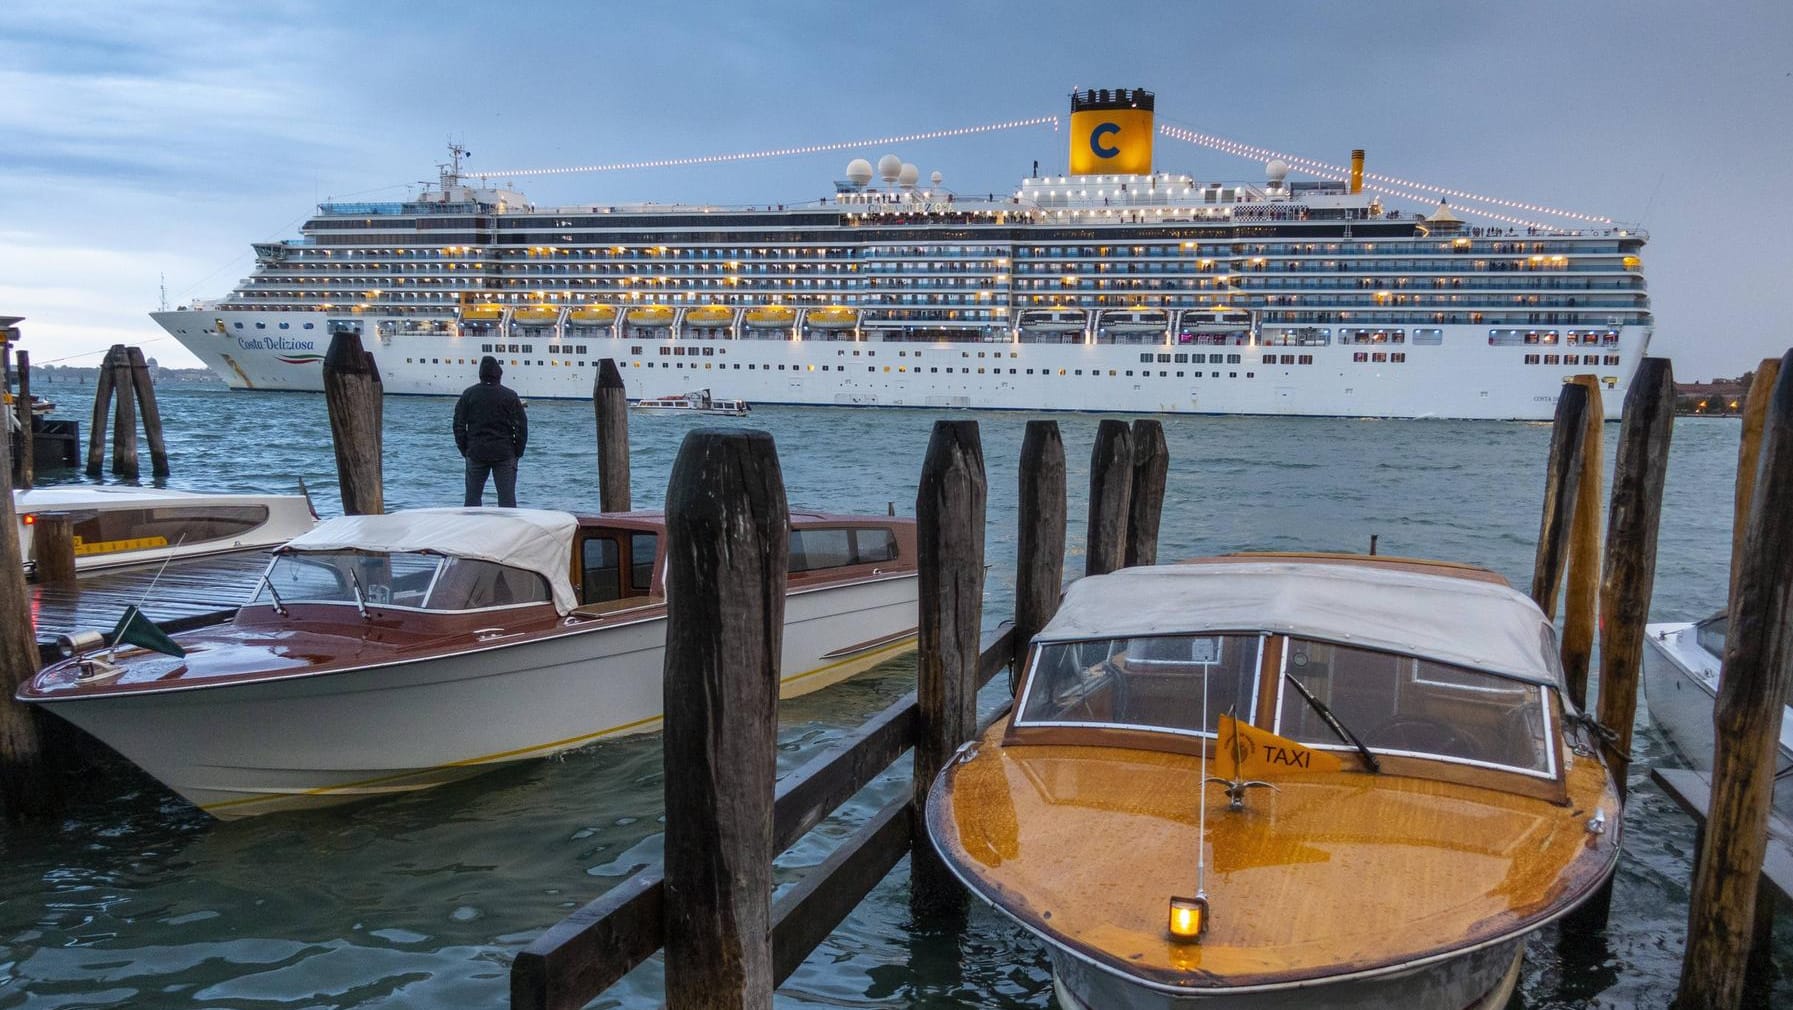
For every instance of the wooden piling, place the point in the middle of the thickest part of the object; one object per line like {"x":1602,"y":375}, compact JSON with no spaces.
{"x":1567,"y":434}
{"x":124,"y":416}
{"x":152,"y":414}
{"x":24,"y":784}
{"x":610,"y":401}
{"x":1110,"y":498}
{"x":949,"y":526}
{"x":102,"y":409}
{"x":352,"y":394}
{"x":27,"y":461}
{"x":727,"y":535}
{"x":1630,"y":569}
{"x":1151,"y":464}
{"x":1757,"y":671}
{"x":1039,"y":536}
{"x":1755,"y":411}
{"x":1581,"y":598}
{"x":53,"y":548}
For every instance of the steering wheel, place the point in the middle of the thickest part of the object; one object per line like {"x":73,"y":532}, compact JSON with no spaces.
{"x":1416,"y":733}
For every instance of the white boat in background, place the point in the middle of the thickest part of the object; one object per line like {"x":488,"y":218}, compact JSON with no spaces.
{"x":1681,"y":666}
{"x":389,"y":653}
{"x":117,"y":525}
{"x":695,"y":402}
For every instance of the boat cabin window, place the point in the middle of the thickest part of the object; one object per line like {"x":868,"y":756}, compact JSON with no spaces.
{"x":604,"y":578}
{"x":1405,"y":705}
{"x":413,"y":581}
{"x":814,"y":549}
{"x":1155,"y":682}
{"x":1710,"y":633}
{"x":113,"y":530}
{"x":600,"y":581}
{"x":643,"y":548}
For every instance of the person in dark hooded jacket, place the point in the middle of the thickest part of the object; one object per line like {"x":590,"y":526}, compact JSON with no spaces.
{"x":491,"y":431}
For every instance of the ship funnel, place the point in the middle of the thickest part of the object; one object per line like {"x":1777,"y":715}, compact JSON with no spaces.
{"x":1357,"y":170}
{"x":1111,"y":132}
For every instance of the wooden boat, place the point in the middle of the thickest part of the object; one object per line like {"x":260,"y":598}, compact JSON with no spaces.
{"x":388,"y":653}
{"x":1681,"y":666}
{"x":117,"y":525}
{"x":695,"y":402}
{"x":1405,"y":793}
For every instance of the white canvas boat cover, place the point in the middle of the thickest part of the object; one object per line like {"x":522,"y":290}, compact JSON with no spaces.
{"x":534,"y":540}
{"x":1440,"y":617}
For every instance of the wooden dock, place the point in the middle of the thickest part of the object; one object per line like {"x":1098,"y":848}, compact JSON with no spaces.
{"x":188,"y":593}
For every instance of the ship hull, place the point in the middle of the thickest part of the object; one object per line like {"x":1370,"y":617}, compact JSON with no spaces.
{"x":1463,"y":377}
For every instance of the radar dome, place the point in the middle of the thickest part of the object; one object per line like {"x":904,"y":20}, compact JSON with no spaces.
{"x":935,"y":179}
{"x":889,"y":167}
{"x":859,"y":171}
{"x":1277,"y":170}
{"x":908,"y":175}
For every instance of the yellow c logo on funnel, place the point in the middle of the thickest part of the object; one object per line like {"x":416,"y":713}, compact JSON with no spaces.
{"x":1111,"y":142}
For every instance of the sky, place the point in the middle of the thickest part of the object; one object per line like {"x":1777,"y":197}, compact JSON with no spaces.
{"x":143,"y":142}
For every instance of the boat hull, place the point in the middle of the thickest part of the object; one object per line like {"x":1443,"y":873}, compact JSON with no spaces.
{"x":1680,"y":686}
{"x":1481,"y":979}
{"x":254,"y":747}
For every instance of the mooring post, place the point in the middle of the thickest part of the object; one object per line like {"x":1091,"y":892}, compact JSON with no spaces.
{"x":25,"y":788}
{"x":1151,"y":464}
{"x":1746,"y":717}
{"x":352,"y":394}
{"x":53,"y":548}
{"x":1039,"y":537}
{"x":1110,"y":498}
{"x":949,"y":528}
{"x":1567,"y":434}
{"x":1630,"y":570}
{"x":727,"y":545}
{"x":1581,"y":599}
{"x":124,"y":417}
{"x":102,"y":409}
{"x":610,"y":400}
{"x":145,"y":388}
{"x":27,"y":461}
{"x":1755,"y":413}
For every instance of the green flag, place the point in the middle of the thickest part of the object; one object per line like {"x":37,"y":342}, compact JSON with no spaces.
{"x":136,"y":629}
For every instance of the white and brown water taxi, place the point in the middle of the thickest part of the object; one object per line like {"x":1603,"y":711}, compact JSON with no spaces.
{"x":1270,"y":782}
{"x":392,"y":652}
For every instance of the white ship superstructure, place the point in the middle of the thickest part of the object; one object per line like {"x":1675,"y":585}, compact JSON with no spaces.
{"x":1130,"y":289}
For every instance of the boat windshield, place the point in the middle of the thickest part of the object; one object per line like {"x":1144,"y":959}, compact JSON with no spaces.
{"x":412,"y":581}
{"x":1405,"y":705}
{"x":1153,"y":683}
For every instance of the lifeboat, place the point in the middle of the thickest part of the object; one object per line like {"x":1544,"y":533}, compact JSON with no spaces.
{"x":592,"y":315}
{"x":775,"y":316}
{"x":1054,"y":320}
{"x":710,"y":316}
{"x":483,"y":312}
{"x":651,"y":315}
{"x":536,"y":314}
{"x":834,"y":317}
{"x":1135,"y":321}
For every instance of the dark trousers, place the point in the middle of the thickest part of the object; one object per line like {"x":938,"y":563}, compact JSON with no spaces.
{"x":504,"y":474}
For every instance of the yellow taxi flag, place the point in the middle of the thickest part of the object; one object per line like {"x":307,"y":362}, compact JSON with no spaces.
{"x":1246,"y":752}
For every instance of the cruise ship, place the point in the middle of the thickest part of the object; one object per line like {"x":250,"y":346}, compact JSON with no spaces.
{"x":1114,"y":286}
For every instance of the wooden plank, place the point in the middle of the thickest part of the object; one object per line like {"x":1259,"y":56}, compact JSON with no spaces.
{"x":610,"y":401}
{"x":810,"y":793}
{"x":591,"y":950}
{"x":815,"y":905}
{"x":1567,"y":433}
{"x":1692,"y":792}
{"x":190,"y":590}
{"x":1110,"y":498}
{"x":1039,"y":533}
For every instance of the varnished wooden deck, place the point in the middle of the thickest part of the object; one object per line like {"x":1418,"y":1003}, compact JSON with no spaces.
{"x":187,"y":592}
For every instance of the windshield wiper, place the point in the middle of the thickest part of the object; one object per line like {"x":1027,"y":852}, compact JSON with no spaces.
{"x":1333,"y":721}
{"x":279,"y":607}
{"x":360,"y":600}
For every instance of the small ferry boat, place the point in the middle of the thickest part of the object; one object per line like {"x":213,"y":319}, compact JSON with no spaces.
{"x":387,"y":653}
{"x":1681,"y":667}
{"x":1280,"y":781}
{"x":117,"y":525}
{"x":695,"y":402}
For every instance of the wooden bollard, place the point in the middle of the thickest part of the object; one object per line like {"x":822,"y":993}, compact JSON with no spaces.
{"x":102,"y":409}
{"x":1581,"y":598}
{"x":352,"y":394}
{"x":949,"y":528}
{"x":1567,"y":433}
{"x":610,"y":401}
{"x":27,"y":461}
{"x":53,"y":548}
{"x":1039,"y":536}
{"x":727,"y":545}
{"x":1755,"y":412}
{"x":24,"y":784}
{"x":152,"y":415}
{"x":1151,"y":465}
{"x":1110,"y":498}
{"x":1746,"y":717}
{"x":1630,"y":568}
{"x":124,"y":416}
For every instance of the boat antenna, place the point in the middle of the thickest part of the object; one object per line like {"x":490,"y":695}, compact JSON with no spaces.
{"x":158,"y":577}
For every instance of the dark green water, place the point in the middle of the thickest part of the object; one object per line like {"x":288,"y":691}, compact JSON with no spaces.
{"x":136,"y":900}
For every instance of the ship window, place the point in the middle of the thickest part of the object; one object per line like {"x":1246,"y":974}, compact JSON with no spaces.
{"x":635,"y":349}
{"x":1397,"y":357}
{"x":308,"y":326}
{"x":1151,"y":683}
{"x":1143,"y":357}
{"x":1531,"y":359}
{"x":665,"y":350}
{"x":284,"y":326}
{"x":1231,"y":359}
{"x":239,"y":326}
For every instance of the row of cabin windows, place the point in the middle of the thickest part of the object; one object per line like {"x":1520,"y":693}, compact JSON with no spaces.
{"x":1288,"y":359}
{"x":604,"y":577}
{"x":1377,"y":357}
{"x":1571,"y":359}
